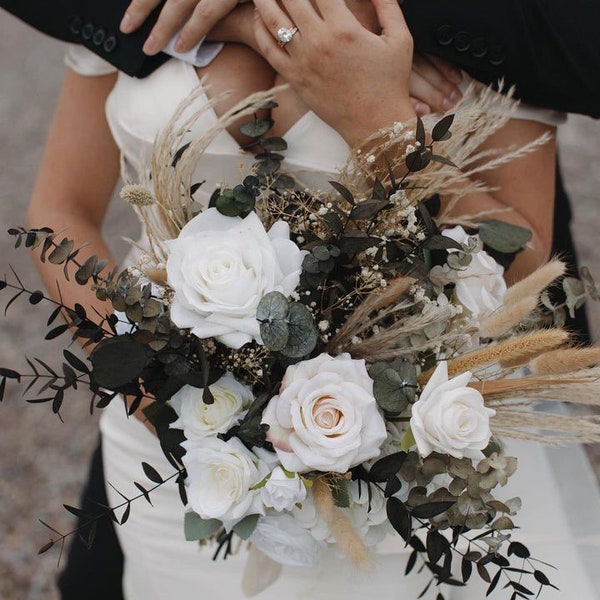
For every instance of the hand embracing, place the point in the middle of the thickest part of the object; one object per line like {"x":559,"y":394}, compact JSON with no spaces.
{"x":357,"y":81}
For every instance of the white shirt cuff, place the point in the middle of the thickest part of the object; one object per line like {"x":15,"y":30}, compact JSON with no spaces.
{"x":200,"y":55}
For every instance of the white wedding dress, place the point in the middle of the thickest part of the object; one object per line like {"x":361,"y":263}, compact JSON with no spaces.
{"x":561,"y":515}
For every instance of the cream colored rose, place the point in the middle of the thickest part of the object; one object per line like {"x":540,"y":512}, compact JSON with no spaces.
{"x":220,"y":480}
{"x":199,"y":420}
{"x":450,"y":417}
{"x":283,"y":490}
{"x":480,"y":287}
{"x":220,"y":267}
{"x":325,"y":417}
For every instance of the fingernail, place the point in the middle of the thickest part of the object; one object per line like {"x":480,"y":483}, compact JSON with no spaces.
{"x":125,"y":25}
{"x":450,"y":100}
{"x":150,"y":45}
{"x":456,"y":75}
{"x":455,"y":96}
{"x":422,"y":109}
{"x":180,"y":45}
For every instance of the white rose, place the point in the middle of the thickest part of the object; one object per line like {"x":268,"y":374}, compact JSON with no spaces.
{"x":220,"y":267}
{"x":220,"y":477}
{"x":199,"y":420}
{"x":480,"y":287}
{"x":283,"y":540}
{"x":450,"y":417}
{"x":283,"y":490}
{"x":325,"y":417}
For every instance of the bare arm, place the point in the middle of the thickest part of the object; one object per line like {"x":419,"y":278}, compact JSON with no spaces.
{"x":78,"y":172}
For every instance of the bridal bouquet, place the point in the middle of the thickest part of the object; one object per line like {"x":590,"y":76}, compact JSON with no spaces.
{"x":328,"y":367}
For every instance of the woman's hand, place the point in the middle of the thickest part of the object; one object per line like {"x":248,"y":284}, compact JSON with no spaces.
{"x":355,"y":80}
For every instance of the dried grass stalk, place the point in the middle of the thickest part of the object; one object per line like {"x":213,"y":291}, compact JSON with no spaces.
{"x":557,"y":429}
{"x":340,"y":526}
{"x":172,"y":180}
{"x":565,"y":360}
{"x":535,"y":283}
{"x":358,"y":322}
{"x":503,"y":320}
{"x":517,"y":350}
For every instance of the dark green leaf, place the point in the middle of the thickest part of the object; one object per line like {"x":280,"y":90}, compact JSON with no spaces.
{"x":494,"y":582}
{"x":151,"y":473}
{"x":518,"y":549}
{"x":399,"y":517}
{"x":10,"y":374}
{"x":368,"y":209}
{"x":412,"y":559}
{"x":441,"y":130}
{"x":541,"y":577}
{"x":257,"y":127}
{"x":118,"y":360}
{"x":54,"y":333}
{"x":126,"y":514}
{"x":504,"y":237}
{"x":436,"y":545}
{"x":379,"y":192}
{"x":441,"y":242}
{"x":354,"y":243}
{"x":520,"y":588}
{"x":2,"y":388}
{"x":177,"y":156}
{"x":343,"y":191}
{"x":144,"y":491}
{"x":443,"y":160}
{"x":386,"y":467}
{"x":274,"y":144}
{"x":483,"y":572}
{"x":57,"y":401}
{"x":275,"y":334}
{"x":466,"y":568}
{"x":46,"y":547}
{"x":431,"y":509}
{"x":53,"y":316}
{"x":393,"y":486}
{"x":420,"y":132}
{"x":36,"y":297}
{"x":78,"y":512}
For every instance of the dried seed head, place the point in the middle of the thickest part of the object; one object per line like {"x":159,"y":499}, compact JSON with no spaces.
{"x":137,"y":195}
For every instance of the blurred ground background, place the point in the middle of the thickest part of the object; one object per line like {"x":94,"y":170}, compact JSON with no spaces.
{"x":43,"y":461}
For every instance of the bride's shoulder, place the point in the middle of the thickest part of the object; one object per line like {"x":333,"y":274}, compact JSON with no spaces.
{"x":85,"y":62}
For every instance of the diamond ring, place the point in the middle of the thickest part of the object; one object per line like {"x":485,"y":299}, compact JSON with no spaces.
{"x":285,"y":34}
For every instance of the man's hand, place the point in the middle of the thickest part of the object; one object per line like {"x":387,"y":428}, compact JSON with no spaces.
{"x":197,"y":17}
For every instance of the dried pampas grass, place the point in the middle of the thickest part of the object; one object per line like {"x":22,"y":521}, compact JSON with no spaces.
{"x":340,"y":526}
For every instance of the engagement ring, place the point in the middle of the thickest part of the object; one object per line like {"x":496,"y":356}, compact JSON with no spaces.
{"x":285,"y":34}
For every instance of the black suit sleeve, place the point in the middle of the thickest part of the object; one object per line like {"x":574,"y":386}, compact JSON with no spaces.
{"x":548,"y":49}
{"x":94,"y":24}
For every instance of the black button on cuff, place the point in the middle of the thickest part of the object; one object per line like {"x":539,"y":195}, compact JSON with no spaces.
{"x":75,"y":24}
{"x":496,"y":55}
{"x":110,"y":44}
{"x":444,"y":35}
{"x":462,"y":41}
{"x":479,"y":48}
{"x":87,"y":31}
{"x":99,"y":37}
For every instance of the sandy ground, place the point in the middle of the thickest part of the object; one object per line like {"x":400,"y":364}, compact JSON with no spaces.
{"x":43,"y":461}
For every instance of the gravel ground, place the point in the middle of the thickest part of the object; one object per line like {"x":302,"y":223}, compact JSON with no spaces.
{"x":43,"y":461}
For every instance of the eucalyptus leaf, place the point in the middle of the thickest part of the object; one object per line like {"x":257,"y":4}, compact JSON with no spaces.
{"x":272,"y":306}
{"x":246,"y":526}
{"x":303,"y":334}
{"x":275,"y":334}
{"x":257,"y":127}
{"x":340,"y":492}
{"x":504,"y":237}
{"x":197,"y":528}
{"x":394,"y":385}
